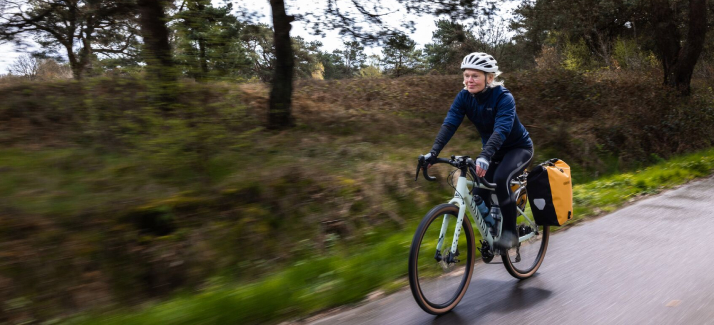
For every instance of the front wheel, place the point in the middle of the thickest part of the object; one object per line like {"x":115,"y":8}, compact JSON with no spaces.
{"x":439,"y":278}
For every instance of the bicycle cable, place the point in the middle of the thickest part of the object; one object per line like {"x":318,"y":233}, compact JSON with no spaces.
{"x":450,"y":181}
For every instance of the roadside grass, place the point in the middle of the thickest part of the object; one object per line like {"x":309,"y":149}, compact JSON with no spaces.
{"x":349,"y":274}
{"x":305,"y":287}
{"x":609,"y":193}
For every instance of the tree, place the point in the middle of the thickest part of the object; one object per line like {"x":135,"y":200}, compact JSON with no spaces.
{"x":157,"y":51}
{"x":259,"y":42}
{"x":492,"y":36}
{"x":370,"y":72}
{"x":400,"y":55}
{"x":306,"y":57}
{"x":208,"y":43}
{"x":599,"y":24}
{"x":25,"y":65}
{"x":83,"y":28}
{"x":451,"y":42}
{"x":333,"y":68}
{"x":279,"y":107}
{"x":352,"y":58}
{"x":346,"y":22}
{"x":678,"y":60}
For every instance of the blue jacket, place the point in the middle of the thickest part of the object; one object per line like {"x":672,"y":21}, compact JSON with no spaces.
{"x":493,"y":112}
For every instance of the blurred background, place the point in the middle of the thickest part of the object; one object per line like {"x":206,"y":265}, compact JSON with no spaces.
{"x":200,"y":161}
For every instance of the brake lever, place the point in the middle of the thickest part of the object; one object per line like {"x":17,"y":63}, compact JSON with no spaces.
{"x":420,"y":164}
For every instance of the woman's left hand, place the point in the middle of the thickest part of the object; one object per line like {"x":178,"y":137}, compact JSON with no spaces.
{"x":481,"y":167}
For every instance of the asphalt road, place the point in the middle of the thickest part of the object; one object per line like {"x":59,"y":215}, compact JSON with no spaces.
{"x":649,"y":263}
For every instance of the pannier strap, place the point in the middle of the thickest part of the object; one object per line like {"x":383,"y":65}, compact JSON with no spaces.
{"x":550,"y":162}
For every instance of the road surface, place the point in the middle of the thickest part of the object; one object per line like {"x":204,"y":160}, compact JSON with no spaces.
{"x":649,"y":263}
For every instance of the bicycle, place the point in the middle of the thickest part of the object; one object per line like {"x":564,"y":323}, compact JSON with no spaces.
{"x":439,"y":274}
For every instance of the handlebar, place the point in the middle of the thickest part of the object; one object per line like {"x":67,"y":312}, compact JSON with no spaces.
{"x":460,"y":162}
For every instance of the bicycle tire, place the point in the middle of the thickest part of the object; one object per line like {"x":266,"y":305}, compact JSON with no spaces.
{"x":421,"y":287}
{"x":528,"y":269}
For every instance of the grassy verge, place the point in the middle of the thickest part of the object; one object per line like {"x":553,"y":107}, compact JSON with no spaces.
{"x":609,"y":193}
{"x":353,"y":272}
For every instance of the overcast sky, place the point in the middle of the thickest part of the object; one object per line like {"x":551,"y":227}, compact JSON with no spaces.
{"x":424,"y":26}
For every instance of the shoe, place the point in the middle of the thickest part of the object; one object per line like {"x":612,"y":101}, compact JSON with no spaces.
{"x":507,"y":241}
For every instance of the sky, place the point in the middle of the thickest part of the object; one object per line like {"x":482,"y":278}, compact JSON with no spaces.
{"x":424,"y":26}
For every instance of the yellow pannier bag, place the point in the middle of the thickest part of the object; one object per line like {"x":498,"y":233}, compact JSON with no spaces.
{"x":550,"y":193}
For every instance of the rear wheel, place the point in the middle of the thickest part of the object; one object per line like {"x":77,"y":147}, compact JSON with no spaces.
{"x":439,"y":279}
{"x":524,"y":260}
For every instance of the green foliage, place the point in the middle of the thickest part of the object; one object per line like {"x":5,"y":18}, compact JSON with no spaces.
{"x":259,"y":42}
{"x":608,"y":193}
{"x":576,"y":56}
{"x":596,"y":23}
{"x":306,"y":57}
{"x":451,"y":42}
{"x":627,"y":54}
{"x":344,"y":63}
{"x":370,"y":71}
{"x":401,"y":56}
{"x":80,"y":29}
{"x":306,"y":287}
{"x":208,"y":43}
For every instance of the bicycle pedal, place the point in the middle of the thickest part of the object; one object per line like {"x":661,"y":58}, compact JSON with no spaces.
{"x":524,"y":230}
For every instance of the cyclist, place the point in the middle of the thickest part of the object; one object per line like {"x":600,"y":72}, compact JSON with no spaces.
{"x":507,"y":147}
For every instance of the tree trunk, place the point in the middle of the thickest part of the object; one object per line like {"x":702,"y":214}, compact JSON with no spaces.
{"x":73,"y":63}
{"x":279,"y":110}
{"x":157,"y":49}
{"x":85,"y":54}
{"x":202,"y":58}
{"x":399,"y":66}
{"x":202,"y":48}
{"x":666,"y":37}
{"x":692,"y":48}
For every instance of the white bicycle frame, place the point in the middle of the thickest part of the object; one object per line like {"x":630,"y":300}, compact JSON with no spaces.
{"x":465,"y":202}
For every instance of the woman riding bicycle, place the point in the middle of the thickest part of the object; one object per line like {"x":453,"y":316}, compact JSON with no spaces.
{"x":507,"y":147}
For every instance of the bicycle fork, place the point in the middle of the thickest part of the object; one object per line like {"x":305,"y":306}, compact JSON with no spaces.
{"x":453,"y":252}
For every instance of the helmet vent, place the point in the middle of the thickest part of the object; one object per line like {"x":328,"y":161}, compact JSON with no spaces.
{"x":480,"y":61}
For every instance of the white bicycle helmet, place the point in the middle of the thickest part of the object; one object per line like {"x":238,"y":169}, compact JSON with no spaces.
{"x":480,"y":61}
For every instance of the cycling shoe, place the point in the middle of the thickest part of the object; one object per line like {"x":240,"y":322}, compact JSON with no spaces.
{"x":507,"y":241}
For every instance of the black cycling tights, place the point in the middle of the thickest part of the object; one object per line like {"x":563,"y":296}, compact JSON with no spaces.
{"x":502,"y":169}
